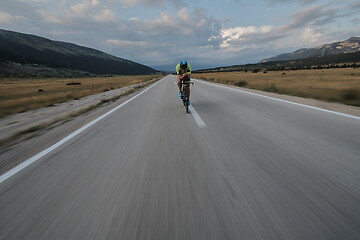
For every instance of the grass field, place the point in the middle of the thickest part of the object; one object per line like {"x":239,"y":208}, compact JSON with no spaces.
{"x":19,"y":95}
{"x":333,"y":85}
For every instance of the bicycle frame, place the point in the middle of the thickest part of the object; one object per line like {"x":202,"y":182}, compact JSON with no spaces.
{"x":185,"y":90}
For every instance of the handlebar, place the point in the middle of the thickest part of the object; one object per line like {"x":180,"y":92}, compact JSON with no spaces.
{"x":187,"y":82}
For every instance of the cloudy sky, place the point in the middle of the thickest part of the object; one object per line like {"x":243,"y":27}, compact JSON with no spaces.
{"x":159,"y":33}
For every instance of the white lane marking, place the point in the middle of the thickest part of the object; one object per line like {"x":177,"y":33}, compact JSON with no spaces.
{"x":285,"y":101}
{"x":31,"y":160}
{"x":197,"y":117}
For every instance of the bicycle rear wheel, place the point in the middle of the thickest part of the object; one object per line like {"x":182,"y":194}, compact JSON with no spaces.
{"x":186,"y":99}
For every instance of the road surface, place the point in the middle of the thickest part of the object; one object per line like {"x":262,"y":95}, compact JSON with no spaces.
{"x":239,"y":166}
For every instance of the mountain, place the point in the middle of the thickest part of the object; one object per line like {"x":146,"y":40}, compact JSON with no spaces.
{"x":30,"y":49}
{"x":332,"y":61}
{"x":347,"y":46}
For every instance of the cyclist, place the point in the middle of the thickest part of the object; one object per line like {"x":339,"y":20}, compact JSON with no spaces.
{"x":183,"y":71}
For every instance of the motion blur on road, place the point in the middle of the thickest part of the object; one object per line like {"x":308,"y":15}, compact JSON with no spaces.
{"x":255,"y":169}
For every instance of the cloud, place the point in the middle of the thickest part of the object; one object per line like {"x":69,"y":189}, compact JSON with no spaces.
{"x":310,"y":36}
{"x":155,"y":3}
{"x":106,"y":15}
{"x":180,"y":35}
{"x":307,"y":27}
{"x":355,"y":5}
{"x":83,"y":12}
{"x":49,"y":17}
{"x":64,"y":33}
{"x":316,"y":15}
{"x":36,"y":1}
{"x":163,"y":24}
{"x":302,"y":2}
{"x":95,"y":2}
{"x":7,"y":18}
{"x":150,"y":2}
{"x":129,"y":44}
{"x":184,"y":26}
{"x":81,"y":9}
{"x":242,"y":34}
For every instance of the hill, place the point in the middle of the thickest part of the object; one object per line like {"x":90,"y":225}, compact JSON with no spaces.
{"x":33,"y":50}
{"x":348,"y":46}
{"x":331,"y":61}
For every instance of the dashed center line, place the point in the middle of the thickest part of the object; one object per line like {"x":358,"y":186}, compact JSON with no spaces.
{"x":197,"y":117}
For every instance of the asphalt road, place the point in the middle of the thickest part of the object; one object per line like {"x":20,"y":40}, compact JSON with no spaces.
{"x":243,"y":167}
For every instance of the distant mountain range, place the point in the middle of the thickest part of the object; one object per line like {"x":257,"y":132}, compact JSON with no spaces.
{"x":331,"y":61}
{"x":30,"y":49}
{"x":347,"y":46}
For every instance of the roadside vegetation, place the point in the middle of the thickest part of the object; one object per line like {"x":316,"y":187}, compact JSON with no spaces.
{"x":19,"y":95}
{"x":334,"y":85}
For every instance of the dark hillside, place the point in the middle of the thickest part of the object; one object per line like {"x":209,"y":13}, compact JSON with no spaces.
{"x":30,"y":49}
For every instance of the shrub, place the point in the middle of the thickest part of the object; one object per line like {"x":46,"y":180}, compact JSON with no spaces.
{"x":350,"y":94}
{"x":241,"y":84}
{"x":73,"y":83}
{"x":271,"y":88}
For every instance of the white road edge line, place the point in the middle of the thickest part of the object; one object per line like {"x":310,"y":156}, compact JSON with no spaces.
{"x":197,"y":117}
{"x":31,"y":160}
{"x":285,"y":101}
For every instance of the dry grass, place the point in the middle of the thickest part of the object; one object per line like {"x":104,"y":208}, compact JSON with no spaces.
{"x":334,"y":85}
{"x":18,"y":95}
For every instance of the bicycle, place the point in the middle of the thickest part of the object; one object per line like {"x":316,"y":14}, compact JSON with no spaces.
{"x":185,"y":97}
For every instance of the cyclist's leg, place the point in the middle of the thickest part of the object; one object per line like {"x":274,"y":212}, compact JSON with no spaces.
{"x":188,"y":92}
{"x":188,"y":88}
{"x":179,"y":83}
